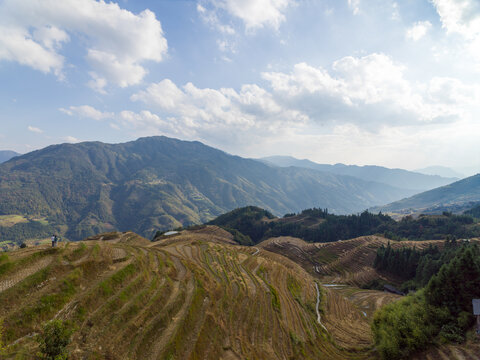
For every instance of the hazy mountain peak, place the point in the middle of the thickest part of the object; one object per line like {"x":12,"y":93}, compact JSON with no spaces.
{"x":394,"y":177}
{"x":440,"y":171}
{"x":6,"y":155}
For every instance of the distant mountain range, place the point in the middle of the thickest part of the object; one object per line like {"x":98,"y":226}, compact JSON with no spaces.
{"x":440,"y":171}
{"x":6,"y":155}
{"x":160,"y":183}
{"x":456,"y":197}
{"x":394,"y":177}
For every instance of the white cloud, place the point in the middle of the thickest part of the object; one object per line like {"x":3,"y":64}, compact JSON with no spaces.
{"x":86,"y":111}
{"x":16,"y":45}
{"x":34,"y":129}
{"x":226,"y":46}
{"x":50,"y":36}
{"x":123,"y":73}
{"x":358,"y":84}
{"x":210,"y":17}
{"x":370,"y":91}
{"x":147,"y":123}
{"x":361,"y":95}
{"x":249,"y":107}
{"x":118,"y":41}
{"x":418,"y":30}
{"x":395,"y":11}
{"x":462,"y":17}
{"x":355,"y":6}
{"x":450,"y":91}
{"x":223,"y":116}
{"x":70,"y":139}
{"x":254,"y":14}
{"x":97,"y":83}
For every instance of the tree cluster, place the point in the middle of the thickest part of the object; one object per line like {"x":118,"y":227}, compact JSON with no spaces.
{"x":318,"y":225}
{"x":442,"y":311}
{"x":28,"y":230}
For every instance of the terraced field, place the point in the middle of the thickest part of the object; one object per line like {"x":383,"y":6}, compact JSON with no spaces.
{"x":192,"y":296}
{"x":348,"y":261}
{"x":198,"y":295}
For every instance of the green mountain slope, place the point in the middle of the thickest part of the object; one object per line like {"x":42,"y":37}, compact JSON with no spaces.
{"x":458,"y":196}
{"x":159,"y":183}
{"x":394,"y":177}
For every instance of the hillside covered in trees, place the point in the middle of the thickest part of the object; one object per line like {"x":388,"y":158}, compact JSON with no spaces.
{"x":318,"y":225}
{"x":438,"y":313}
{"x":474,"y":212}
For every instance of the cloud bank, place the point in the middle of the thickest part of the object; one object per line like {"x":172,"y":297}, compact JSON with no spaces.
{"x":254,"y":14}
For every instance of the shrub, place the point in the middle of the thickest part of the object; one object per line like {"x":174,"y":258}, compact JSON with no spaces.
{"x":54,"y":340}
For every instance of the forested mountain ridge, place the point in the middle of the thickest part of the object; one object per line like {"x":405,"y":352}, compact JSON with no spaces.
{"x":159,"y":183}
{"x":394,"y":177}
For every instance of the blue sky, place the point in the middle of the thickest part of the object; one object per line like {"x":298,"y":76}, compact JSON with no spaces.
{"x":393,"y":83}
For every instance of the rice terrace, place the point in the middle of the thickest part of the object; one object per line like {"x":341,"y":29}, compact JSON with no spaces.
{"x":197,"y":294}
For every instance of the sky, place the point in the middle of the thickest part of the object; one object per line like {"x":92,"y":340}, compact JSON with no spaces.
{"x":384,"y":82}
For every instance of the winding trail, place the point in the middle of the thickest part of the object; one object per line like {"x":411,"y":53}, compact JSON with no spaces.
{"x":316,"y":307}
{"x":256,"y":252}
